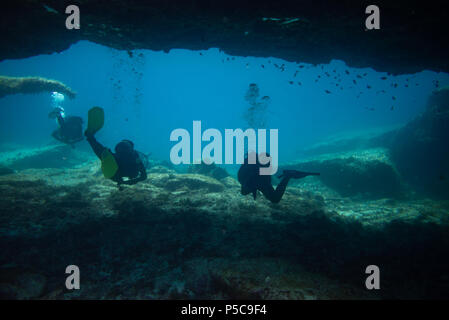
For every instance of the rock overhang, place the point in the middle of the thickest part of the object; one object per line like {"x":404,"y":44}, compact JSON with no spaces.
{"x":412,"y":37}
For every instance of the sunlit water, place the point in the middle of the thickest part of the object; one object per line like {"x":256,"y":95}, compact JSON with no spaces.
{"x":148,"y":94}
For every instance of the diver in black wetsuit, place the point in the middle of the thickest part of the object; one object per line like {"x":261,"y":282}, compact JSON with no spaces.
{"x":130,"y":165}
{"x":70,"y":128}
{"x":251,"y":180}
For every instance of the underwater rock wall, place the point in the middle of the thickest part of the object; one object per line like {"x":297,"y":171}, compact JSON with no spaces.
{"x":302,"y":31}
{"x":420,"y":149}
{"x":409,"y":161}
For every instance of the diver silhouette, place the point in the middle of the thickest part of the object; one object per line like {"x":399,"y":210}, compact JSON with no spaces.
{"x":252,"y":181}
{"x":70,"y":128}
{"x":124,"y":163}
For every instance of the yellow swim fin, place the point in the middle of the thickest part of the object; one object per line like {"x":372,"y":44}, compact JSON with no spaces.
{"x":95,"y":120}
{"x":109,"y":166}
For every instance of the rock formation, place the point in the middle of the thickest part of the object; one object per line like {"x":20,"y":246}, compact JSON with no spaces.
{"x":15,"y":85}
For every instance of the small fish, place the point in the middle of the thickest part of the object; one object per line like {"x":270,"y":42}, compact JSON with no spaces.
{"x":393,"y":97}
{"x":299,"y":83}
{"x":355,"y":82}
{"x":347,"y":72}
{"x":368,"y":87}
{"x":291,"y":82}
{"x":436,"y":83}
{"x":50,"y":9}
{"x":327,"y":91}
{"x":263,"y":67}
{"x":359,"y":76}
{"x":383,"y":78}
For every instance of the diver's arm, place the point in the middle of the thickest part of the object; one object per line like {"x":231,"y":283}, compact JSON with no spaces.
{"x":97,"y":147}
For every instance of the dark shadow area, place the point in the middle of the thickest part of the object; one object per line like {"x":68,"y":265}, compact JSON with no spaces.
{"x":413,"y":257}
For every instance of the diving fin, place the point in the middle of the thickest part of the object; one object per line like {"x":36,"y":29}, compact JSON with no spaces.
{"x":109,"y":165}
{"x":95,"y":120}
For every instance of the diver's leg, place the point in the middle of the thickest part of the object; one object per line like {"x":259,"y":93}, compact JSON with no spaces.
{"x":275,"y":195}
{"x":97,"y":147}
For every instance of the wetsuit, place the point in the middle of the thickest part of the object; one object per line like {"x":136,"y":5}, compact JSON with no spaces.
{"x":129,"y":165}
{"x":251,"y":181}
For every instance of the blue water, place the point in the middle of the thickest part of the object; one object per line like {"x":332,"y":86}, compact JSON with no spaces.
{"x":148,"y":95}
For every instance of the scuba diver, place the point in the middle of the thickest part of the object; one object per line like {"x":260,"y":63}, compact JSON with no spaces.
{"x":251,"y":180}
{"x":70,"y":128}
{"x":124,"y":163}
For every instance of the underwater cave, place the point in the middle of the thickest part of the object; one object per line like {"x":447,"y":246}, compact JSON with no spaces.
{"x":87,"y":176}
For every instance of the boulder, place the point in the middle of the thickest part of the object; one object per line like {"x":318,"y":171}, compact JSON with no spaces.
{"x":211,"y":170}
{"x":365,"y":173}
